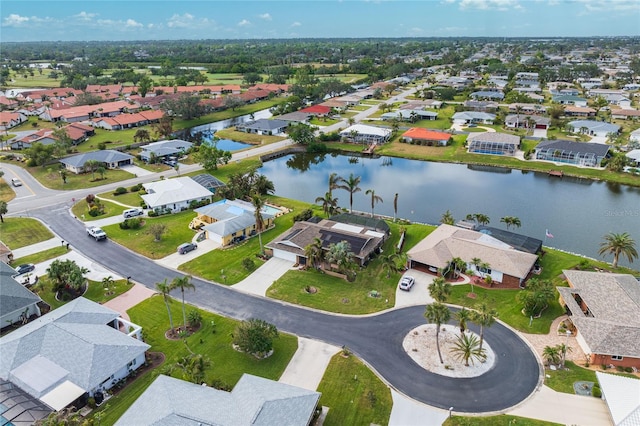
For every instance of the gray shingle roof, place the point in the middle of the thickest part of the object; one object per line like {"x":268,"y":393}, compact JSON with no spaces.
{"x":594,"y":126}
{"x":613,"y":300}
{"x":598,"y":149}
{"x":264,"y":124}
{"x":494,"y":137}
{"x":13,"y":295}
{"x":103,"y":156}
{"x":253,"y":401}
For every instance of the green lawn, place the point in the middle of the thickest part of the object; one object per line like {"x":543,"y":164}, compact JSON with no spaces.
{"x":563,"y":380}
{"x":6,"y":192}
{"x":323,"y":121}
{"x":500,"y":420}
{"x":337,"y":295}
{"x":245,"y":137}
{"x":20,"y":232}
{"x":95,"y":292}
{"x":28,"y":125}
{"x":111,"y":138}
{"x":225,"y":265}
{"x":214,"y":341}
{"x":41,"y":256}
{"x":132,"y":199}
{"x":140,"y":241}
{"x":50,"y":177}
{"x":81,"y":210}
{"x":354,"y":394}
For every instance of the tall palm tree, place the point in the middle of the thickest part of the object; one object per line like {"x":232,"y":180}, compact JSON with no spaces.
{"x":182,"y":283}
{"x":375,"y":199}
{"x":463,"y":316}
{"x":390,"y":264}
{"x":563,"y":349}
{"x":467,"y":347}
{"x":258,"y":205}
{"x":438,"y":314}
{"x":165,"y":288}
{"x":328,"y":203}
{"x":440,"y":289}
{"x":334,"y":182}
{"x":458,"y":265}
{"x":395,"y":207}
{"x":511,"y":221}
{"x":351,"y":185}
{"x":618,"y":244}
{"x":447,"y":218}
{"x":484,"y":316}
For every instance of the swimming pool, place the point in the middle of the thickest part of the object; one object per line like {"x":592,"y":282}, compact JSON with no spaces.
{"x":273,"y":211}
{"x":229,"y":145}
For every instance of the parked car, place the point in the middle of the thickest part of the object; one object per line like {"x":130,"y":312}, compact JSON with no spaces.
{"x":186,"y":248}
{"x":24,"y":268}
{"x":97,"y":233}
{"x":132,"y":213}
{"x":16,"y":182}
{"x":407,"y":282}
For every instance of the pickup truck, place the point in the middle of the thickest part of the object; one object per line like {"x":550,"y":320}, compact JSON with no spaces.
{"x":96,"y":233}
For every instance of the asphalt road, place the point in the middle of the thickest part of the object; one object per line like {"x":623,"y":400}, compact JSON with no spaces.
{"x":377,"y":339}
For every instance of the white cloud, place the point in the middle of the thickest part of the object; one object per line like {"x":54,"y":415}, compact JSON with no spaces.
{"x":130,"y":23}
{"x":296,"y":24}
{"x":85,"y":16}
{"x":610,"y":5}
{"x":244,"y":23}
{"x":14,"y":20}
{"x":265,"y":16}
{"x":501,"y":5}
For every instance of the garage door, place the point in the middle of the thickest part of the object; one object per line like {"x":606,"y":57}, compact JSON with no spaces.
{"x":281,"y":254}
{"x":214,"y":237}
{"x":541,"y":126}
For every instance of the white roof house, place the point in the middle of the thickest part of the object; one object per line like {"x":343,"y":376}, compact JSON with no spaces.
{"x":593,"y":128}
{"x":473,"y":117}
{"x":253,"y":401}
{"x":163,"y":149}
{"x":634,"y":156}
{"x":75,"y":349}
{"x":622,"y":395}
{"x":174,"y":194}
{"x":364,"y":133}
{"x":635,"y":136}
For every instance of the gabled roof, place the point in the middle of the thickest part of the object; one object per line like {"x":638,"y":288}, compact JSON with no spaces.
{"x":494,"y":137}
{"x":103,"y":156}
{"x":425,"y":134}
{"x":265,"y":124}
{"x":71,"y":343}
{"x":447,"y":242}
{"x":168,"y":146}
{"x":363,"y":129}
{"x":13,"y":295}
{"x":253,"y":401}
{"x":316,"y":109}
{"x":170,"y":191}
{"x":594,"y":126}
{"x":473,"y":115}
{"x":613,"y":324}
{"x":622,"y":395}
{"x":230,"y":215}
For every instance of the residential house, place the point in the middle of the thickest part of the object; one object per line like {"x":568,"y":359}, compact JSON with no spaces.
{"x":364,"y":235}
{"x":634,"y":157}
{"x":317,"y":110}
{"x":17,"y":303}
{"x":6,"y":255}
{"x":253,"y":401}
{"x":8,"y":103}
{"x":507,"y":265}
{"x":295,"y":117}
{"x":411,"y":115}
{"x":622,"y":396}
{"x":480,"y":105}
{"x":229,"y":221}
{"x":362,"y":133}
{"x":570,"y":100}
{"x":271,"y":87}
{"x":593,"y":128}
{"x":11,"y":119}
{"x":108,"y":158}
{"x":517,"y":241}
{"x":487,"y":94}
{"x":335,"y":104}
{"x":422,"y":136}
{"x":263,"y":126}
{"x":635,"y":136}
{"x":604,"y":308}
{"x":473,"y":117}
{"x":174,"y":194}
{"x":571,"y":152}
{"x":621,"y":100}
{"x":127,"y":121}
{"x":575,"y":111}
{"x":163,"y":149}
{"x":75,"y":351}
{"x":529,"y":109}
{"x":493,"y":143}
{"x":516,"y":121}
{"x":625,"y":114}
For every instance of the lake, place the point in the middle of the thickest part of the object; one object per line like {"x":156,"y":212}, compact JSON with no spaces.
{"x":578,"y":212}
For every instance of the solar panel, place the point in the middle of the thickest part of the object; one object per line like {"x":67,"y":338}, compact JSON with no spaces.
{"x":355,"y":242}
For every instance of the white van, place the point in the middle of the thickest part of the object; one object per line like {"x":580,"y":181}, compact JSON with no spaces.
{"x":132,"y":213}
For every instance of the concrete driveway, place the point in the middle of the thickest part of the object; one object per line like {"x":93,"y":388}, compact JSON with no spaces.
{"x":259,"y":282}
{"x":136,"y":171}
{"x":175,"y":259}
{"x":419,"y":293}
{"x":540,"y":133}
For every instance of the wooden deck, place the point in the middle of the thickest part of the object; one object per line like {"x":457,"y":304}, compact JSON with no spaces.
{"x":556,"y":173}
{"x":370,"y":149}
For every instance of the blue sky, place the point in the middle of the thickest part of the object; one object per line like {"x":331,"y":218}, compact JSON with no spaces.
{"x":30,"y":20}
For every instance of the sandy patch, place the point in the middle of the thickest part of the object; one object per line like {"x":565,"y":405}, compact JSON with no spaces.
{"x":420,"y":345}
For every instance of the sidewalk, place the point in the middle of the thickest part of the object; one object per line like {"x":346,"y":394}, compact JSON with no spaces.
{"x":36,"y":248}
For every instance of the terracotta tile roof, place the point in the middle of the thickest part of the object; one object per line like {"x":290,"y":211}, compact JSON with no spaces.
{"x":317,"y":109}
{"x":425,"y":134}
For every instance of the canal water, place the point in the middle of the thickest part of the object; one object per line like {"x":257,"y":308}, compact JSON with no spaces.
{"x":577,"y":212}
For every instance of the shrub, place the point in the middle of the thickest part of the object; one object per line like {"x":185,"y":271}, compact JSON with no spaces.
{"x":90,"y":199}
{"x":303,"y":215}
{"x":135,"y":188}
{"x":120,"y":190}
{"x":255,"y":336}
{"x":153,"y":213}
{"x":194,"y":317}
{"x":628,"y":370}
{"x":248,"y":264}
{"x":131,"y":223}
{"x":102,"y":146}
{"x":31,"y":162}
{"x":620,"y":368}
{"x":596,"y":392}
{"x":95,"y":211}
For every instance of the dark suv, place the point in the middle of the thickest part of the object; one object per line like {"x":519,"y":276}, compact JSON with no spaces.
{"x":186,"y":248}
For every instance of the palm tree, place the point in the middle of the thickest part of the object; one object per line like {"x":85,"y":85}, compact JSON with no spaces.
{"x":395,"y":207}
{"x":440,"y":289}
{"x":618,"y":244}
{"x":511,"y":221}
{"x":328,"y":203}
{"x":351,"y":185}
{"x":551,"y":354}
{"x":390,"y":264}
{"x":438,"y":314}
{"x":458,"y":264}
{"x":375,"y":199}
{"x":193,"y":367}
{"x":165,"y":288}
{"x":467,"y":347}
{"x":462,"y":316}
{"x":484,"y":316}
{"x":447,"y":218}
{"x":258,"y":205}
{"x":334,"y":181}
{"x":314,"y":252}
{"x":563,"y":349}
{"x":182,"y":283}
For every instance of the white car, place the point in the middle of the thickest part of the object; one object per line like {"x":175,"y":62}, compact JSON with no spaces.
{"x":16,"y":182}
{"x":406,"y":283}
